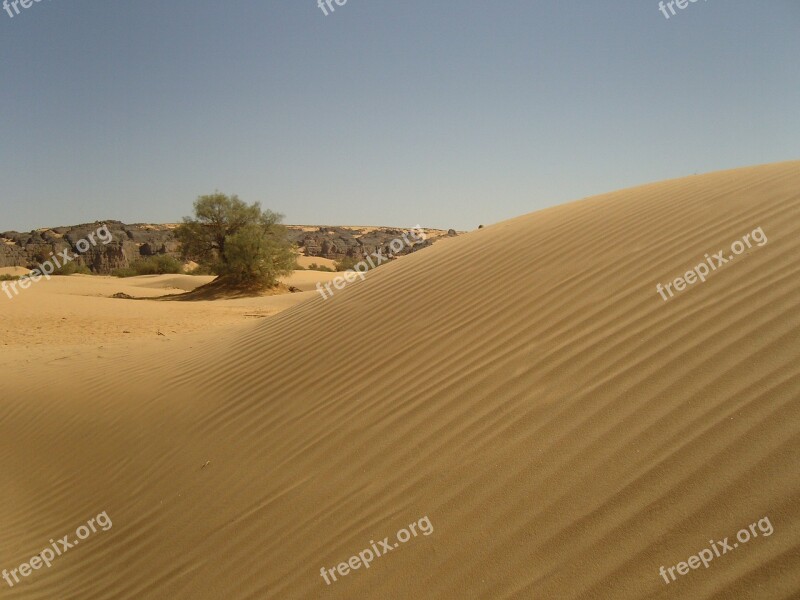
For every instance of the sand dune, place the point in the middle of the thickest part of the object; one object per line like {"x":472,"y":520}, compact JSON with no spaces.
{"x":566,"y":431}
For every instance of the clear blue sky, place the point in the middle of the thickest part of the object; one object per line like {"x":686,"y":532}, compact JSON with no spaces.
{"x":444,"y":113}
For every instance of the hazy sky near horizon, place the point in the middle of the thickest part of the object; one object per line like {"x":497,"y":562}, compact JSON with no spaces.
{"x":447,"y":114}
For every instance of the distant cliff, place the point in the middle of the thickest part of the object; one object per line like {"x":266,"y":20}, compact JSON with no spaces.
{"x":132,"y":242}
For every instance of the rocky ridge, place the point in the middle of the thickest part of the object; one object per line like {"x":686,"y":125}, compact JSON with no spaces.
{"x":140,"y":240}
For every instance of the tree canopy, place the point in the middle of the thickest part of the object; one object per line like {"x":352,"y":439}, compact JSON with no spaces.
{"x":236,"y":241}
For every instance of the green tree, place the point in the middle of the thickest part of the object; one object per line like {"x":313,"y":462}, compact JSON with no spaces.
{"x":239,"y":242}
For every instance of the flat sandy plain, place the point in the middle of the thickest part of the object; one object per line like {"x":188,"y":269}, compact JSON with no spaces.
{"x":566,"y":431}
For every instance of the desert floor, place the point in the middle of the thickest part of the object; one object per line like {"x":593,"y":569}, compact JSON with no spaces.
{"x":69,"y":314}
{"x":565,"y":430}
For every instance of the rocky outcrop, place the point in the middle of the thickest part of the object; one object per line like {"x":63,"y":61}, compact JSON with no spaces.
{"x":337,"y":243}
{"x":132,"y":242}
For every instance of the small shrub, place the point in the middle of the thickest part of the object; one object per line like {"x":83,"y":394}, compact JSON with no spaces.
{"x":124,"y":272}
{"x":347,"y":263}
{"x":316,"y":267}
{"x":162,"y":264}
{"x":73,"y":268}
{"x":159,"y":264}
{"x":9,"y":277}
